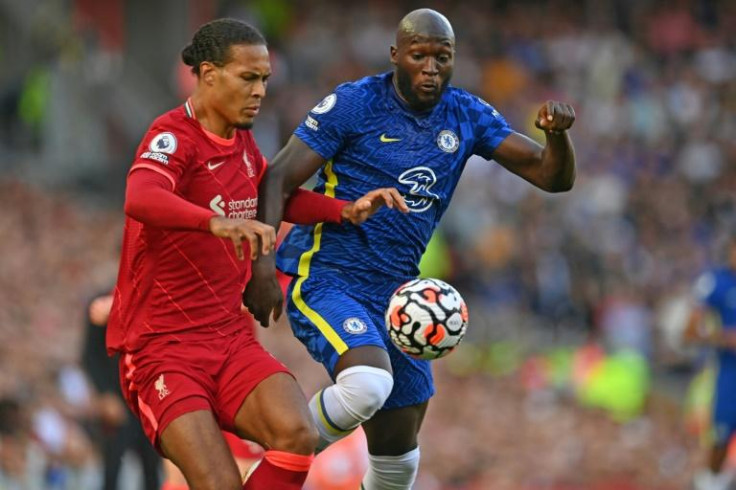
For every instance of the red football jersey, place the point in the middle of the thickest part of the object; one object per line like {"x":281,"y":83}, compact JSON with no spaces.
{"x":186,"y":282}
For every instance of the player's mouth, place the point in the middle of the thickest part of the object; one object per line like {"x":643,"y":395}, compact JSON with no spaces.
{"x":253,"y":110}
{"x":428,"y":88}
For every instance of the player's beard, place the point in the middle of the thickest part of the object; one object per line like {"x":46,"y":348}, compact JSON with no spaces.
{"x":404,"y":84}
{"x":244,"y":125}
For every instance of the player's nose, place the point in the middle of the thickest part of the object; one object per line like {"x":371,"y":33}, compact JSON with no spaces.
{"x":259,"y":89}
{"x":430,"y":66}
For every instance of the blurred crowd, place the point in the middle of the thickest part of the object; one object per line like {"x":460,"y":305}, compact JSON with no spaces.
{"x":609,"y":264}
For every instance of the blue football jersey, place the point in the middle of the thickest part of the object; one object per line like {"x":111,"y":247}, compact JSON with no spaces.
{"x":716,"y":290}
{"x":370,"y":139}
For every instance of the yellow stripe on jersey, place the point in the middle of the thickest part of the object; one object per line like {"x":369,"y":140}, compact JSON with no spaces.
{"x":304,"y":262}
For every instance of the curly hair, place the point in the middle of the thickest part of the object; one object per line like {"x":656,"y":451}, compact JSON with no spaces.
{"x":212,"y":42}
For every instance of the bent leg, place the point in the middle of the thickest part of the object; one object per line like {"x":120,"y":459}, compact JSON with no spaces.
{"x":194,"y":443}
{"x":363,"y":382}
{"x":275,"y":415}
{"x":394,"y":431}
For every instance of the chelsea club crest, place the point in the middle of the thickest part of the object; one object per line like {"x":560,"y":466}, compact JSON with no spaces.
{"x":448,"y":141}
{"x":354,"y":325}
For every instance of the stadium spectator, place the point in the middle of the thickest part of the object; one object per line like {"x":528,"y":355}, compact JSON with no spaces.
{"x":636,"y":216}
{"x":115,"y":428}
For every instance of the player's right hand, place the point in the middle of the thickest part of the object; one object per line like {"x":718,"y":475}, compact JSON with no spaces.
{"x":260,"y":236}
{"x":262,"y":295}
{"x":555,"y":117}
{"x":364,"y":207}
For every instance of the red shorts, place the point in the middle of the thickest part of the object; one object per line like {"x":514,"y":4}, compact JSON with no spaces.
{"x":167,"y":379}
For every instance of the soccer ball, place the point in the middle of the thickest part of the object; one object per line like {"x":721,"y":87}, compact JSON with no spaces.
{"x":426,"y":318}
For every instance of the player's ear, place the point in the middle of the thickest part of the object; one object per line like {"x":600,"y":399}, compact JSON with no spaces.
{"x":394,"y":55}
{"x":207,"y":72}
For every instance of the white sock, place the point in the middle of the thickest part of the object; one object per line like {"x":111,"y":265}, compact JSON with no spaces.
{"x":707,"y":480}
{"x":391,"y":472}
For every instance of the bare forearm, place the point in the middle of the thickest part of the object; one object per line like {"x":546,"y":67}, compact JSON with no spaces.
{"x":720,"y":340}
{"x":293,"y":165}
{"x":272,"y":196}
{"x":271,"y":199}
{"x":558,"y":162}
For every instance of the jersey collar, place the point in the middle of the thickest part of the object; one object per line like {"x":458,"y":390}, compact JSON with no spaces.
{"x":189,"y":110}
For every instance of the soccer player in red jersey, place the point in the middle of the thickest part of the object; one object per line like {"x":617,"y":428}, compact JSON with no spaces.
{"x":190,"y":363}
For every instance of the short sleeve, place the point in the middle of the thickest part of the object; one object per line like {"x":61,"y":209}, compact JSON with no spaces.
{"x":490,"y":127}
{"x":165,"y":149}
{"x":705,"y":288}
{"x":329,"y":124}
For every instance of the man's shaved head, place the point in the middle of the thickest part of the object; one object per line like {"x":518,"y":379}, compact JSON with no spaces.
{"x":425,"y":23}
{"x":423,"y":58}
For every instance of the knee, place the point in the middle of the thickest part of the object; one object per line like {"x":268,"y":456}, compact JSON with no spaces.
{"x":218,"y":480}
{"x":297,"y":436}
{"x":363,"y":390}
{"x":305,"y":438}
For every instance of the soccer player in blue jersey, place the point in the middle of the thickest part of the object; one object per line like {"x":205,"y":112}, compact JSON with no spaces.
{"x":409,"y":129}
{"x":715,"y":292}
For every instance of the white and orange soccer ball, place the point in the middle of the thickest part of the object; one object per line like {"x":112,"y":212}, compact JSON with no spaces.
{"x":426,"y":318}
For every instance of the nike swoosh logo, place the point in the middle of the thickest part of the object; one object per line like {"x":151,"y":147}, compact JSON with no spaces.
{"x":386,"y":139}
{"x":213,"y":166}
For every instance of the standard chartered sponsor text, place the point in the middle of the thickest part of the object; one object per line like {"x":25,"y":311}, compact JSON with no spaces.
{"x":243,"y":209}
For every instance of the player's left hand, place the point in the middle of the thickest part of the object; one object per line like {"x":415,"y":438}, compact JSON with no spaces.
{"x":555,"y":117}
{"x":363,"y":208}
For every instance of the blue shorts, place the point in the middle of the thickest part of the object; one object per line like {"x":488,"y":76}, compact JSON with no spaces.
{"x":724,"y":405}
{"x":330,"y":313}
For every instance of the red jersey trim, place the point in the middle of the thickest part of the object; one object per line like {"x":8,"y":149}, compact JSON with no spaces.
{"x":142,"y":406}
{"x":189,"y":108}
{"x":219,"y":139}
{"x":155,"y":169}
{"x":148,"y":413}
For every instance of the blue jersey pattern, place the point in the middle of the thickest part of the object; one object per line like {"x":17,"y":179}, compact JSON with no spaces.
{"x":717,"y":291}
{"x":370,"y":139}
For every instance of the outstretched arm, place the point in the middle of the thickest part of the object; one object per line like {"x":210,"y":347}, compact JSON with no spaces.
{"x":552,"y":167}
{"x":697,"y":332}
{"x":308,"y":208}
{"x":293,"y":165}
